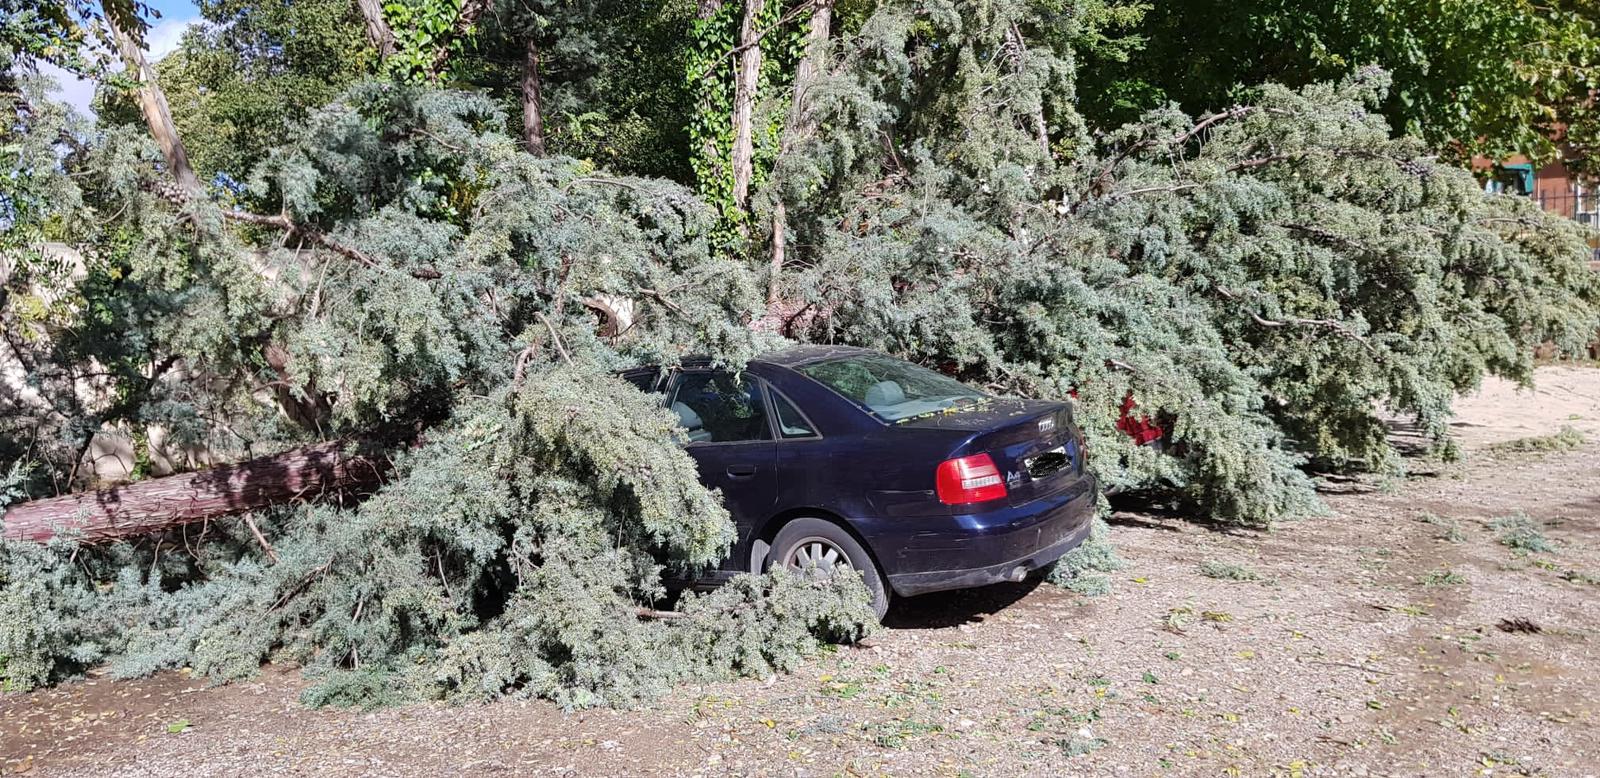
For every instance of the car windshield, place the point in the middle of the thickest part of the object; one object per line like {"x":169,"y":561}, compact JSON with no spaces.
{"x":890,"y":388}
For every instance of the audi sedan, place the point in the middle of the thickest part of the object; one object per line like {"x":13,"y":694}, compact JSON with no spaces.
{"x":832,"y":458}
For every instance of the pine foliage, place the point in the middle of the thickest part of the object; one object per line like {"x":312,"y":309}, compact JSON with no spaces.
{"x":1266,"y":280}
{"x":536,"y":512}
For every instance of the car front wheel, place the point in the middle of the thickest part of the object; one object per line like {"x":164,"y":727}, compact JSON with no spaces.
{"x":813,"y":548}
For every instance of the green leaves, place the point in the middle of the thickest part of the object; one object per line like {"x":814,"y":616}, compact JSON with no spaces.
{"x":1455,"y":85}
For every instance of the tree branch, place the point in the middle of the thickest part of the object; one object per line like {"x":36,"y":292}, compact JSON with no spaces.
{"x":1333,"y":325}
{"x":314,"y":235}
{"x":555,"y":338}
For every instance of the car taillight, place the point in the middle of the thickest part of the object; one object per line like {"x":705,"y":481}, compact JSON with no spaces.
{"x":969,"y":479}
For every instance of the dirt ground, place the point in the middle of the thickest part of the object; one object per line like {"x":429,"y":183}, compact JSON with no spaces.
{"x":1396,"y":636}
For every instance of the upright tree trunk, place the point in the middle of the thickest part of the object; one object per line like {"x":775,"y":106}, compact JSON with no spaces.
{"x":377,"y":27}
{"x":532,"y":100}
{"x":815,"y":57}
{"x":812,"y":63}
{"x":163,"y":503}
{"x":746,"y":81}
{"x":153,"y":104}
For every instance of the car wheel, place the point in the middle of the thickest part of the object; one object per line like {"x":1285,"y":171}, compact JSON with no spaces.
{"x":816,"y":548}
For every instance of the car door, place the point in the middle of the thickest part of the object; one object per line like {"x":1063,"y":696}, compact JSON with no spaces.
{"x":731,"y":441}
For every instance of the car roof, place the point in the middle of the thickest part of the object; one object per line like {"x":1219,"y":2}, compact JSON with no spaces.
{"x":792,"y":356}
{"x":800,"y":355}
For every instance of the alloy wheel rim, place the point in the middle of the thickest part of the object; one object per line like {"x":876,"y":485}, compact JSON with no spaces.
{"x":817,"y":558}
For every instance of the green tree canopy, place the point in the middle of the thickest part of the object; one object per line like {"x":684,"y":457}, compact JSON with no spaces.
{"x":1489,"y":77}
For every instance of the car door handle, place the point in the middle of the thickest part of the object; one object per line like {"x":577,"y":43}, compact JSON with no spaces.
{"x":741,"y":472}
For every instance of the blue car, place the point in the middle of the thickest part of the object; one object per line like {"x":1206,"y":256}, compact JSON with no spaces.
{"x":833,"y":458}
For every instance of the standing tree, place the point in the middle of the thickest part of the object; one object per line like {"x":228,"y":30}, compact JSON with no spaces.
{"x":1488,"y":77}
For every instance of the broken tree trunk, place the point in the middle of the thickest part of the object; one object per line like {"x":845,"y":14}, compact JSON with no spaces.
{"x":163,"y":503}
{"x":153,"y":104}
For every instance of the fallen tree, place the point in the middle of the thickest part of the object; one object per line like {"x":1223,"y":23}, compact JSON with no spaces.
{"x":1268,"y":278}
{"x":160,"y":504}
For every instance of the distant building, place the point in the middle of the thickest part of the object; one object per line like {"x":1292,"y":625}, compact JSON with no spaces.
{"x":1552,"y":185}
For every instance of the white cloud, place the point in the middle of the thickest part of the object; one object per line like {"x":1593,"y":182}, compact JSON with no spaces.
{"x":164,"y":37}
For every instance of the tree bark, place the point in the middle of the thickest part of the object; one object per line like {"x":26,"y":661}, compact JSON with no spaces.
{"x":812,"y":63}
{"x":746,"y":82}
{"x":163,"y":503}
{"x":377,"y":27}
{"x":153,"y":104}
{"x":815,"y":57}
{"x":532,"y":100}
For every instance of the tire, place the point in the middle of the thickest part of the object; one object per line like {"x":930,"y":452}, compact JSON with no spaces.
{"x":806,"y":539}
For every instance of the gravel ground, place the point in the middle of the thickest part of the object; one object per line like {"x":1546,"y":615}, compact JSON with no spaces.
{"x":1396,"y":636}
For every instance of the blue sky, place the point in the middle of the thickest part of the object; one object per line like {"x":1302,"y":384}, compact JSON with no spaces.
{"x":163,"y":37}
{"x":175,"y":8}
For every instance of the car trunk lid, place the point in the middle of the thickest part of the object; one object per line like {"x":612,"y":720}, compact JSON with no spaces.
{"x":1034,"y":444}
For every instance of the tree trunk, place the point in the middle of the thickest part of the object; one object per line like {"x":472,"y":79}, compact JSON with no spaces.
{"x":532,"y":100}
{"x":162,"y":503}
{"x":811,"y":64}
{"x":153,"y":104}
{"x":746,"y":81}
{"x":815,"y":57}
{"x":377,"y":27}
{"x":780,"y":228}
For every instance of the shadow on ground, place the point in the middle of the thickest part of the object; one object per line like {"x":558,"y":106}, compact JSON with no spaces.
{"x":942,"y":610}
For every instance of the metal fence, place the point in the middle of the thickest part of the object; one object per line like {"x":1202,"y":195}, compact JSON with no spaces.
{"x":1578,"y":206}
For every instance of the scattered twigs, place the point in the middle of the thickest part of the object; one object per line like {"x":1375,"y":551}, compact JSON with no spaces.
{"x":1332,"y":325}
{"x":300,"y":585}
{"x":444,"y":580}
{"x":662,"y":299}
{"x":1351,"y":665}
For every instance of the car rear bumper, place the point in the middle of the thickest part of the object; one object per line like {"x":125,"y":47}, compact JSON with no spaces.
{"x":959,"y":552}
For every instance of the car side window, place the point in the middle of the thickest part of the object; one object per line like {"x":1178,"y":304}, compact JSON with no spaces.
{"x":648,"y":381}
{"x":716,"y":407}
{"x":790,"y":423}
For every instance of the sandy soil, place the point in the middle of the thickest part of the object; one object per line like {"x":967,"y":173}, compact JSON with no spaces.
{"x":1393,"y":637}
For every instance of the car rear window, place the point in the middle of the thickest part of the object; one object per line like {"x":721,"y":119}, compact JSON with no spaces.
{"x":891,"y":389}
